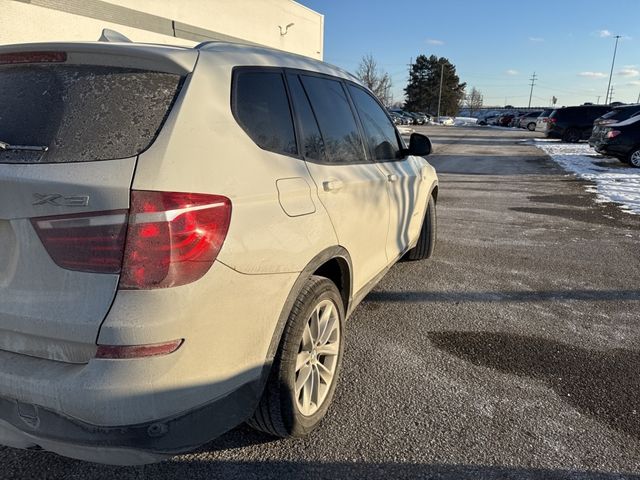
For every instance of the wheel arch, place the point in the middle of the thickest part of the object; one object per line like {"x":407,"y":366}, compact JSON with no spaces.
{"x":333,"y":263}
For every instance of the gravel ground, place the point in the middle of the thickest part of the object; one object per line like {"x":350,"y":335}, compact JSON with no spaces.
{"x":513,"y":353}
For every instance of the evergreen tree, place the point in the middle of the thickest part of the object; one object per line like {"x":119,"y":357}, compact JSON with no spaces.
{"x":424,"y":86}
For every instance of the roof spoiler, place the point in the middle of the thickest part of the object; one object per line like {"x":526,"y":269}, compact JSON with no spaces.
{"x":109,"y":35}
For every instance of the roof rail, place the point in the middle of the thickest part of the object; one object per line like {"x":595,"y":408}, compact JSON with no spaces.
{"x":109,"y":35}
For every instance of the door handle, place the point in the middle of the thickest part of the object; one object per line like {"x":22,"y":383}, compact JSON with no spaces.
{"x":332,"y":185}
{"x":392,"y":177}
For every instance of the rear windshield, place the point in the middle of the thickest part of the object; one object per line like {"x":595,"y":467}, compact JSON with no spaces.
{"x":545,"y":113}
{"x":622,"y":113}
{"x":81,"y":112}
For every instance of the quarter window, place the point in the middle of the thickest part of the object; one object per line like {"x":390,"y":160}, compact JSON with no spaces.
{"x":379,"y":132}
{"x":342,"y":141}
{"x":262,"y":108}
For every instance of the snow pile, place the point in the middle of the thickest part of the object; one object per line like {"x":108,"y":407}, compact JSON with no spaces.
{"x":405,"y":130}
{"x":614,"y":181}
{"x":464,"y":121}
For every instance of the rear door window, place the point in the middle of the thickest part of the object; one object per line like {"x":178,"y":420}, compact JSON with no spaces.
{"x":380,"y":134}
{"x":342,"y":140}
{"x":81,"y":113}
{"x":261,"y":106}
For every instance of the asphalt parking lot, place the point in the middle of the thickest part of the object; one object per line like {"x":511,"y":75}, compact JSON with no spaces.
{"x":513,"y":353}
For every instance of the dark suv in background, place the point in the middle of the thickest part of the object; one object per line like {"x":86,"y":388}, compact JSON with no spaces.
{"x":572,"y":124}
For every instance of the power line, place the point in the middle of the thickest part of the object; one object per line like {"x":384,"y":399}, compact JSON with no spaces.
{"x":533,"y":82}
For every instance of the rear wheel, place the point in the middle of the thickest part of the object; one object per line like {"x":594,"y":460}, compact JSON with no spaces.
{"x":427,"y":239}
{"x":634,"y":158}
{"x":531,"y":126}
{"x":305,"y":371}
{"x":572,"y":135}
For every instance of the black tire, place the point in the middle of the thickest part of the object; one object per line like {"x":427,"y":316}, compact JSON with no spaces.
{"x":277,"y":412}
{"x":571,"y":135}
{"x":531,"y":126}
{"x":634,"y":158}
{"x":427,"y":239}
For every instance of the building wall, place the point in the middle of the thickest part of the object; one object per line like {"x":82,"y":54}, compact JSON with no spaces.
{"x":178,"y":22}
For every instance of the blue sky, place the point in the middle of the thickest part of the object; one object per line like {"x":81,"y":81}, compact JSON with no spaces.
{"x":495,"y":44}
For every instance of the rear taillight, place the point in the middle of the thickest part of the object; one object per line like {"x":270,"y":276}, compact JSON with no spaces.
{"x":552,"y":120}
{"x":613,"y":133}
{"x":173,"y":238}
{"x":89,"y":242}
{"x":32,"y":57}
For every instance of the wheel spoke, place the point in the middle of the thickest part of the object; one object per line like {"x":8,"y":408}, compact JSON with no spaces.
{"x":307,"y":339}
{"x":315,"y":325}
{"x":315,"y":385}
{"x":329,"y":327}
{"x":325,"y":374}
{"x":301,"y":360}
{"x":303,"y":376}
{"x":328,"y":349}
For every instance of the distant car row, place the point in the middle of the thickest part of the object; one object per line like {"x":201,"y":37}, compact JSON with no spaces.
{"x":400,"y":117}
{"x":611,"y":130}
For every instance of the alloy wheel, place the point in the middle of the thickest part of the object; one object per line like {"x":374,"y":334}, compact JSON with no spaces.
{"x":317,"y":358}
{"x":635,"y":158}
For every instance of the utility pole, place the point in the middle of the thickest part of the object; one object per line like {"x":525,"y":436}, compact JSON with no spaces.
{"x":598,"y":101}
{"x":533,"y":82}
{"x":607,"y":99}
{"x":638,"y":98}
{"x":440,"y":94}
{"x":611,"y":94}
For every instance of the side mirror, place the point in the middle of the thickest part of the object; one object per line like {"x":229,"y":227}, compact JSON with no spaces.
{"x":419,"y":145}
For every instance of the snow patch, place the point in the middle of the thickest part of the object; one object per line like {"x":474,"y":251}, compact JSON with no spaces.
{"x":613,"y":181}
{"x":464,"y":121}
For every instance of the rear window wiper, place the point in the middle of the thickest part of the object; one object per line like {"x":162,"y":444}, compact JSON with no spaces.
{"x":31,"y":148}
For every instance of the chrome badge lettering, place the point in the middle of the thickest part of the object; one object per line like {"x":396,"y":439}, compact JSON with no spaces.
{"x":59,"y":200}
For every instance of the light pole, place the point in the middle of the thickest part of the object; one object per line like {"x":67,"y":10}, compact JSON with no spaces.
{"x":613,"y":62}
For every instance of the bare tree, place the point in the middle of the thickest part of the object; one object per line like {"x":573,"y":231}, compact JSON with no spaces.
{"x":473,"y":101}
{"x":377,"y":80}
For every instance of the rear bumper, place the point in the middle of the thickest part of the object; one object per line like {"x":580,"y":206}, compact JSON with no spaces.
{"x":31,"y":426}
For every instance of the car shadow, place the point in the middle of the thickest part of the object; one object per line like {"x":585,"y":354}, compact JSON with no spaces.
{"x":604,"y":385}
{"x":196,"y":467}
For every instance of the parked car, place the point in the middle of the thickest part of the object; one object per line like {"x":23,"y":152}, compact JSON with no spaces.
{"x":572,"y":124}
{"x":617,"y":114}
{"x":397,"y":119}
{"x":543,"y":119}
{"x":505,"y":119}
{"x":169,"y":268}
{"x":445,"y":121}
{"x":425,"y":116}
{"x":620,"y":140}
{"x":528,"y":120}
{"x":408,"y":118}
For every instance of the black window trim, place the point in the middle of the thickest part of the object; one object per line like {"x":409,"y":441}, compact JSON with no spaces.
{"x":310,"y":73}
{"x":369,"y":158}
{"x":401,"y":147}
{"x":234,"y":92}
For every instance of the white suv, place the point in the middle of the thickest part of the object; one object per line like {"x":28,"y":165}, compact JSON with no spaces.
{"x":184,"y":232}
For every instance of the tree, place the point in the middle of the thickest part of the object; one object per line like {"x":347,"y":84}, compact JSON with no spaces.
{"x":423,"y":88}
{"x":377,"y":80}
{"x":473,"y":101}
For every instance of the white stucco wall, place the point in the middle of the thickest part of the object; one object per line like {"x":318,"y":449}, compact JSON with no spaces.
{"x":255,"y":21}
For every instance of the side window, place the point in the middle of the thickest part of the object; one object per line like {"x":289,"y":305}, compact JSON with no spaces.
{"x":342,"y":141}
{"x":261,"y":106}
{"x":312,"y":143}
{"x":379,"y":132}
